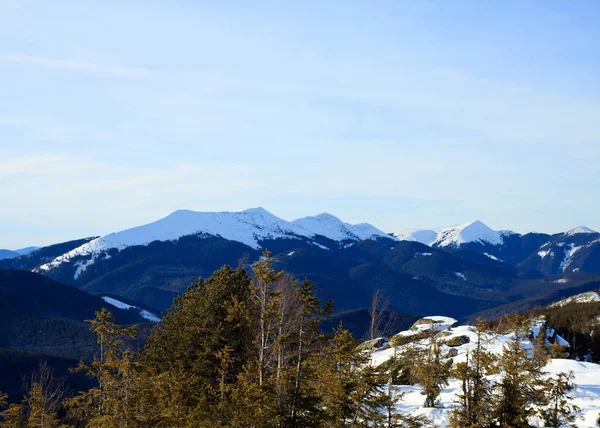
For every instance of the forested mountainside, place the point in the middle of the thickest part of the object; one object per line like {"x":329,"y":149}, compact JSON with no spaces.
{"x":458,"y":271}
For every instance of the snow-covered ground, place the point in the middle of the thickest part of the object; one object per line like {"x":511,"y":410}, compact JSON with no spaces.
{"x":588,"y":297}
{"x":121,"y":305}
{"x":587,"y":375}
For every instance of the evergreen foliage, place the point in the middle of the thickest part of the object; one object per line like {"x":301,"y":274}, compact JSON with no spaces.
{"x":475,"y":398}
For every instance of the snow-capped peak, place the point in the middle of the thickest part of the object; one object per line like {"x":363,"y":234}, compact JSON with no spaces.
{"x":474,"y":231}
{"x":424,"y":236}
{"x":580,"y":230}
{"x":248,"y":227}
{"x":331,"y":227}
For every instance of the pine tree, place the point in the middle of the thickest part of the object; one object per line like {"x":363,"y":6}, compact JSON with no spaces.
{"x":475,"y":397}
{"x":558,"y":351}
{"x":560,"y":412}
{"x":203,"y":343}
{"x":392,"y":395}
{"x":341,"y":382}
{"x":432,"y":372}
{"x":304,"y":401}
{"x":521,"y":386}
{"x":12,"y":415}
{"x":108,"y":404}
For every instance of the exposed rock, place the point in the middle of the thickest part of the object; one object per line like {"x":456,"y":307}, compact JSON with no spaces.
{"x":371,"y":345}
{"x":457,"y":341}
{"x":452,"y":352}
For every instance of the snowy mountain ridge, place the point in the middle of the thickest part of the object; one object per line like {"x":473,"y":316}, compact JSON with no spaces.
{"x":248,"y":227}
{"x":453,"y":236}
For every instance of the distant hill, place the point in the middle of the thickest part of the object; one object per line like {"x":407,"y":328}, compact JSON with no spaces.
{"x":8,"y":254}
{"x":38,"y":314}
{"x":16,"y":367}
{"x":28,"y":260}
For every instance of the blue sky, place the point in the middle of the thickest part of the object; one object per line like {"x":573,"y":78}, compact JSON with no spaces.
{"x":403,"y":114}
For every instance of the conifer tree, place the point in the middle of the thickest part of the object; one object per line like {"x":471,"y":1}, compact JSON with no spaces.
{"x":108,"y":404}
{"x":304,"y":398}
{"x":390,"y":418}
{"x":540,"y":346}
{"x":560,"y":412}
{"x":12,"y":415}
{"x":558,"y":351}
{"x":203,"y":343}
{"x":521,"y":386}
{"x":432,"y":372}
{"x":475,"y":397}
{"x":341,"y":382}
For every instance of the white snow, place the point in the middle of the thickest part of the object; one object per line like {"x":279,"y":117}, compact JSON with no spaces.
{"x":248,"y":227}
{"x":491,"y":256}
{"x":423,"y":254}
{"x":437,"y":323}
{"x":588,"y":297}
{"x":333,"y":228}
{"x":543,"y":253}
{"x":474,"y":231}
{"x":460,"y":276}
{"x":568,"y":256}
{"x":427,"y":237}
{"x":580,"y":230}
{"x":291,"y":253}
{"x":587,"y":377}
{"x":121,"y":305}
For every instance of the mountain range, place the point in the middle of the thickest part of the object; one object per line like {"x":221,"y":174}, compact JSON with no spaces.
{"x":11,"y":254}
{"x":458,"y":271}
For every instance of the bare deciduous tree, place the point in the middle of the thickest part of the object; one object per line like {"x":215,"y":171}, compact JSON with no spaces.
{"x":381,"y":318}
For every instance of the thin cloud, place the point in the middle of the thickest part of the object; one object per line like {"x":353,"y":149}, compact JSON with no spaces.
{"x":67,"y":64}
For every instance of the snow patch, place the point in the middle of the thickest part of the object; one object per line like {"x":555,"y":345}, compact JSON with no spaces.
{"x":580,"y":230}
{"x":121,"y":305}
{"x":568,"y":256}
{"x":491,"y":256}
{"x":543,"y":253}
{"x":588,"y":297}
{"x":460,"y":276}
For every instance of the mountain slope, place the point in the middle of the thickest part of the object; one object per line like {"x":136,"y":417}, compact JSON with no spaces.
{"x":572,"y":251}
{"x":251,"y":227}
{"x":8,"y":254}
{"x":455,"y":236}
{"x":38,"y":314}
{"x":39,"y":256}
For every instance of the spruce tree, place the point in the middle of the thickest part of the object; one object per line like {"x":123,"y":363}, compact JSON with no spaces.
{"x":12,"y":414}
{"x":521,"y":387}
{"x":560,"y":411}
{"x":203,"y":343}
{"x":107,"y":404}
{"x":474,"y":398}
{"x":432,"y":372}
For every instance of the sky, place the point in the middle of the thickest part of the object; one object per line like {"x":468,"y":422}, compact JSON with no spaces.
{"x":404,"y":114}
